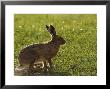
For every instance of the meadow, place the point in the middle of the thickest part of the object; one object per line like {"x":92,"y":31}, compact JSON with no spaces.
{"x":78,"y":57}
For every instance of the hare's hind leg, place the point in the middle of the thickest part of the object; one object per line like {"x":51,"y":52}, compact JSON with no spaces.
{"x":30,"y":70}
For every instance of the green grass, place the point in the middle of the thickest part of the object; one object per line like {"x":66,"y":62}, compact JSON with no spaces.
{"x":78,"y":57}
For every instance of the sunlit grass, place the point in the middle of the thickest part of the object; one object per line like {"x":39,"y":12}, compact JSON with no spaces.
{"x":78,"y":56}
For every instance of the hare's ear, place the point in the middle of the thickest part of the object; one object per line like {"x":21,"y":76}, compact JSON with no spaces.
{"x":47,"y":27}
{"x":52,"y":30}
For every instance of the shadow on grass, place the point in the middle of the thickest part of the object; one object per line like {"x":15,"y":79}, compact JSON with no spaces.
{"x":24,"y":72}
{"x":52,"y":73}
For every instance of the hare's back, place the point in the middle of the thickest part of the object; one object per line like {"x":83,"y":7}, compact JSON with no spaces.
{"x":33,"y":52}
{"x":27,"y":55}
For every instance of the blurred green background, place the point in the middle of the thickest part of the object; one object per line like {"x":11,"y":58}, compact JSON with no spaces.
{"x":78,"y":57}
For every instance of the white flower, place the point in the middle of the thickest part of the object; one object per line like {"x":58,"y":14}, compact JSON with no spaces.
{"x":51,"y":24}
{"x":73,"y":29}
{"x":33,"y":26}
{"x":20,"y":26}
{"x":81,"y":29}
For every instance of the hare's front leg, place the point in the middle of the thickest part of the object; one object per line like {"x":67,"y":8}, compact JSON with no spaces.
{"x":45,"y":66}
{"x":50,"y":63}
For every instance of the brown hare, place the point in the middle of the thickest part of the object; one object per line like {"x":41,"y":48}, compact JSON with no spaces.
{"x":41,"y":52}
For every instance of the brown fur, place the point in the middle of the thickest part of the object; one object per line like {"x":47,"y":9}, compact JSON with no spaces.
{"x":41,"y":52}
